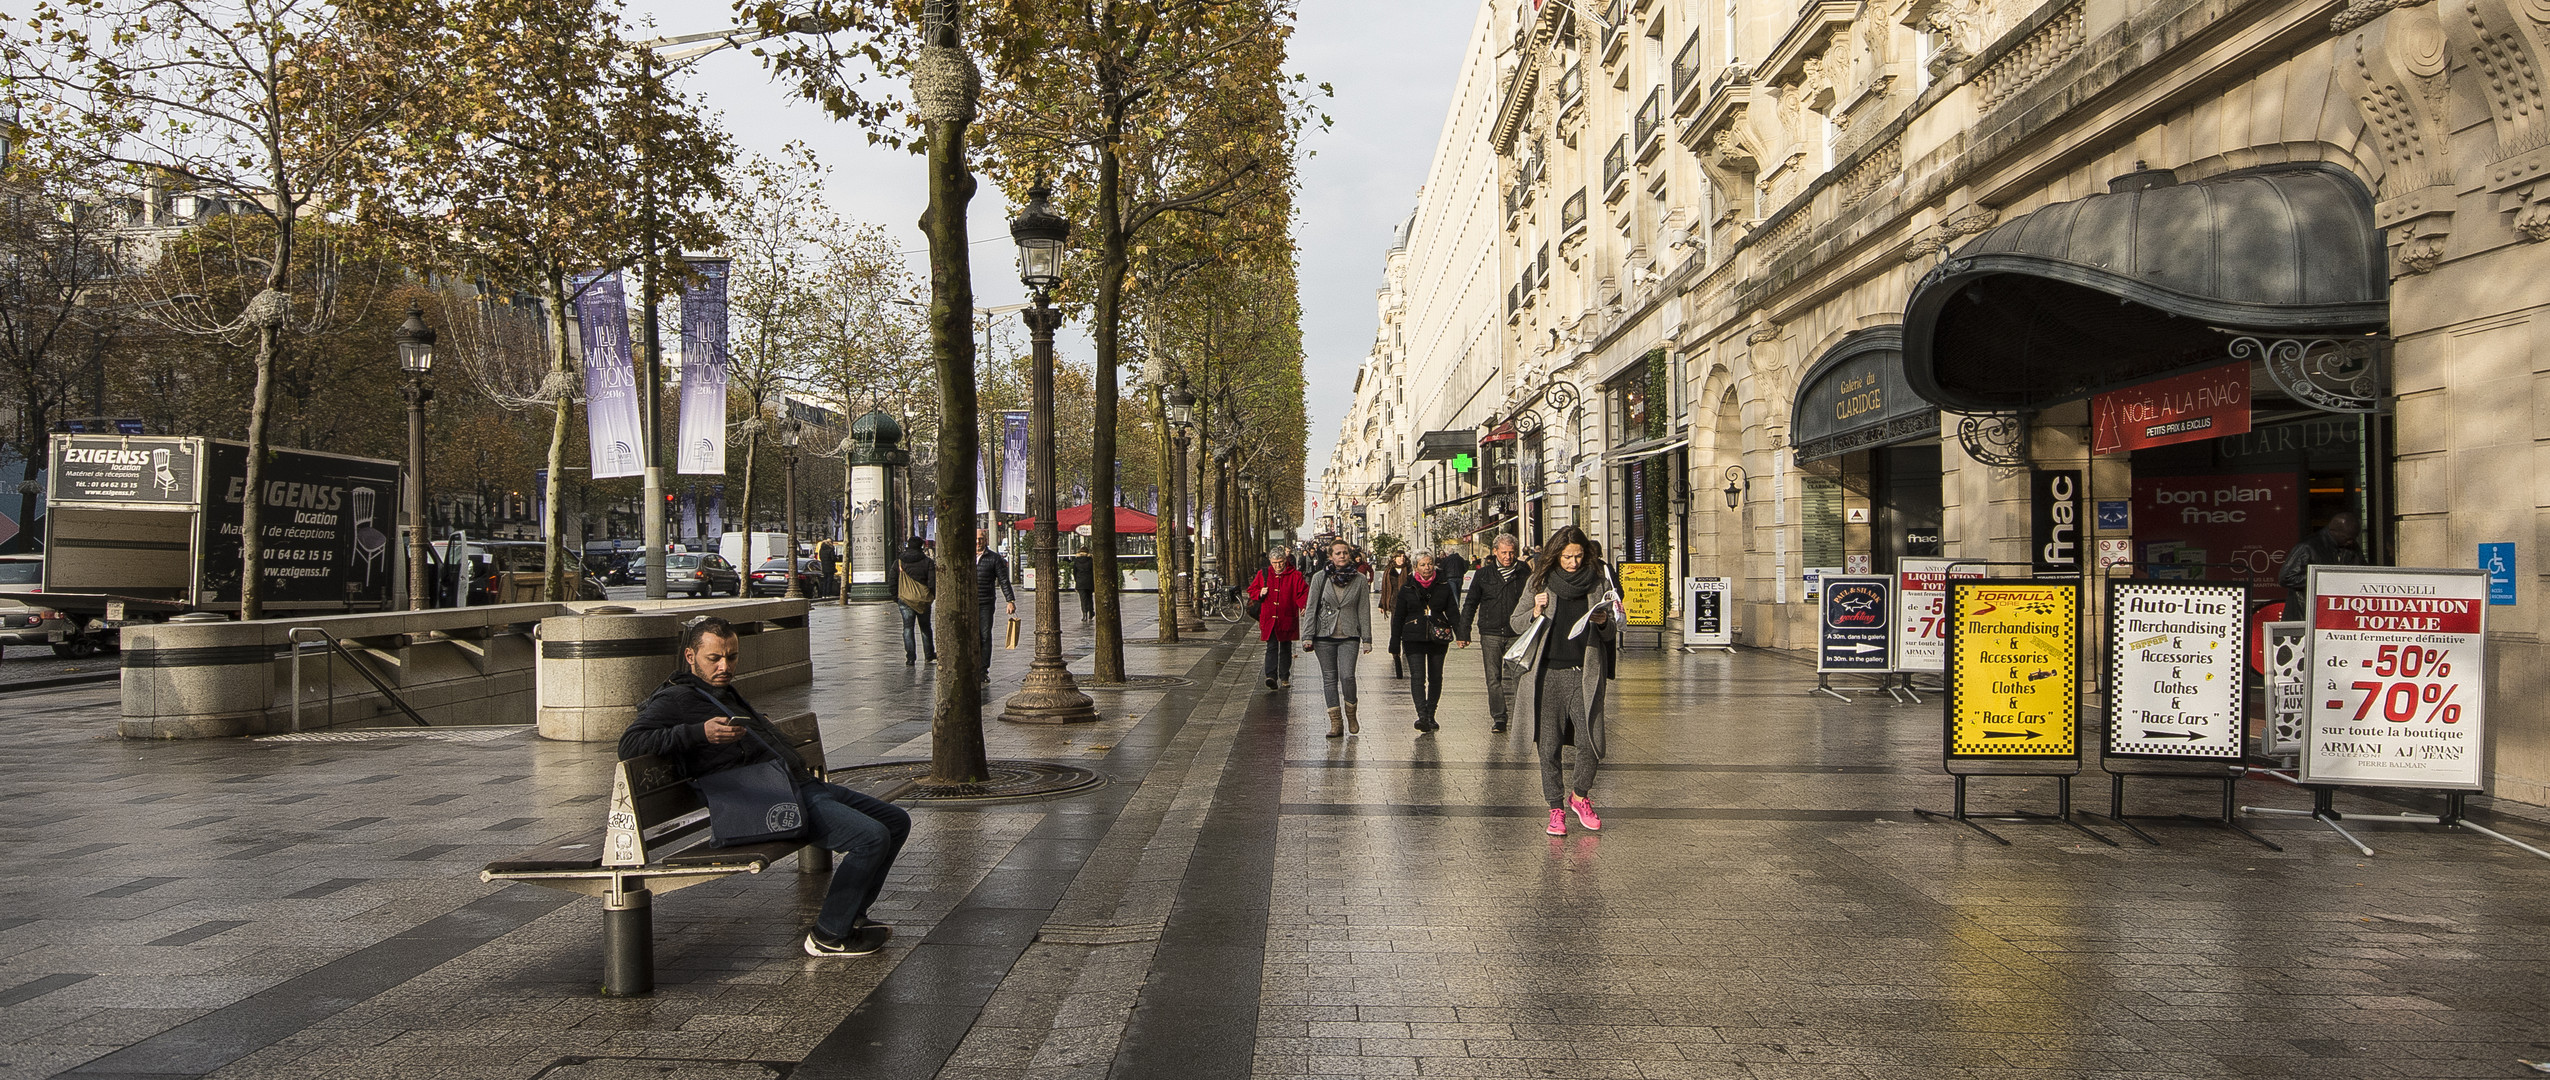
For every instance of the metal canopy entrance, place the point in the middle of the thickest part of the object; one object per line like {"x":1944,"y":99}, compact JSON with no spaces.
{"x":2152,"y":278}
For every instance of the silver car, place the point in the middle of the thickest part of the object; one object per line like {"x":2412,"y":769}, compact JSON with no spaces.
{"x":22,"y":623}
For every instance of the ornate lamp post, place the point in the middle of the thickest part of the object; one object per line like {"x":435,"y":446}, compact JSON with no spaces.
{"x":1048,"y":695}
{"x":1181,"y":548}
{"x":416,"y":358}
{"x":789,"y":432}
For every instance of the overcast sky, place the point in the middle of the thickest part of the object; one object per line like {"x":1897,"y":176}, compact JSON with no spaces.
{"x":1392,"y":63}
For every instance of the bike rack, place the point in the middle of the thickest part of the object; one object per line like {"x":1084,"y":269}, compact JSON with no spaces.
{"x":317,"y":634}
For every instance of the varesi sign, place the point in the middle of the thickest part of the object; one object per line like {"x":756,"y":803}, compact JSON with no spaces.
{"x":2013,"y":666}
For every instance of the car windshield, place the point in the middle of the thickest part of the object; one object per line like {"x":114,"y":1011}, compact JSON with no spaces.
{"x":21,"y":573}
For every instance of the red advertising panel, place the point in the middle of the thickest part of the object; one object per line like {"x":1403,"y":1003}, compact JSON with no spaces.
{"x":2241,"y":524}
{"x":2202,"y":405}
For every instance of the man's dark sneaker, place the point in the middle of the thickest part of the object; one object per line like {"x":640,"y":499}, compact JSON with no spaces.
{"x":1270,"y":684}
{"x":863,"y":941}
{"x":1498,"y":726}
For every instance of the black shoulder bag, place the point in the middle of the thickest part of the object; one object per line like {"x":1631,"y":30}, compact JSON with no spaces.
{"x":751,"y":804}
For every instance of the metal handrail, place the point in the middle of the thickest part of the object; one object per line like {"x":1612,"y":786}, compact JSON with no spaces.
{"x":320,"y":634}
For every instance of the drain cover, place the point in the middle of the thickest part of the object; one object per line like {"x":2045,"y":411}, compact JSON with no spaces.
{"x":1011,"y":781}
{"x":1133,"y":682}
{"x":449,"y":734}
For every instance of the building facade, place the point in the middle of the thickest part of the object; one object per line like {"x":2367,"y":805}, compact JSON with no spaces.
{"x":1787,"y":287}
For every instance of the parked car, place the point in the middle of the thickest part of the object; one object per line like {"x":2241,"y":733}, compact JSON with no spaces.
{"x":22,"y":623}
{"x":696,"y":575}
{"x":771,"y":578}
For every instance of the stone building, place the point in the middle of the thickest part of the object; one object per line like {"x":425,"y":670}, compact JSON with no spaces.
{"x":1833,"y":284}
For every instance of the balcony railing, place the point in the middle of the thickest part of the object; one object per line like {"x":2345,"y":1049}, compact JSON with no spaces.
{"x":1651,"y":119}
{"x":1572,"y":213}
{"x":1616,"y":163}
{"x":1686,"y":75}
{"x":1616,"y":34}
{"x":1571,"y":85}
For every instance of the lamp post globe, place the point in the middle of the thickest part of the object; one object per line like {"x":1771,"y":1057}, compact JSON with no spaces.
{"x":1048,"y":694}
{"x":415,"y":342}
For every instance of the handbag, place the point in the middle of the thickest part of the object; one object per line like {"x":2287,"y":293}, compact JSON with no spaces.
{"x":912,"y":591}
{"x":1255,"y":603}
{"x":752,"y":804}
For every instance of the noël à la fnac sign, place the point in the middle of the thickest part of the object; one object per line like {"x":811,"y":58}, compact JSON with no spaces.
{"x":2200,"y":405}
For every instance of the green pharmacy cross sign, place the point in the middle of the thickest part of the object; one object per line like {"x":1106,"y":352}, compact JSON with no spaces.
{"x":1462,"y":462}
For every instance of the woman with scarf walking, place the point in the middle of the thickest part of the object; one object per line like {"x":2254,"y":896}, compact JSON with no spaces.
{"x":1279,"y":593}
{"x":1564,"y":668}
{"x":913,"y":595}
{"x":1394,"y":573}
{"x":1426,"y":620}
{"x":1338,"y":625}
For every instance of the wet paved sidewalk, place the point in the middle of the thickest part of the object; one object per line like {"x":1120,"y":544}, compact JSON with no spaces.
{"x":1247,"y":897}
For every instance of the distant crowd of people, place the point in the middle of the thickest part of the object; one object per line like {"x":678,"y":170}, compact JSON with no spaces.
{"x":1545,"y":627}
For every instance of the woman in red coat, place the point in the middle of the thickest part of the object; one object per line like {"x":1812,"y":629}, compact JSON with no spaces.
{"x":1280,"y":592}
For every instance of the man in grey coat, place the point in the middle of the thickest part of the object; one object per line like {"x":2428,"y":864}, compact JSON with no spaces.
{"x":1337,"y":625}
{"x":1490,"y":602}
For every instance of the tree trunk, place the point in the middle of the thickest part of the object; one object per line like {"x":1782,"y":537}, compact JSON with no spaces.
{"x":849,"y":512}
{"x":252,"y":504}
{"x":744,"y":547}
{"x":956,"y":714}
{"x":553,"y":584}
{"x":1106,"y":659}
{"x":1165,"y":530}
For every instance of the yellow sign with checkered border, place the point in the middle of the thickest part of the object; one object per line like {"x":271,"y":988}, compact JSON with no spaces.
{"x":2013,"y":669}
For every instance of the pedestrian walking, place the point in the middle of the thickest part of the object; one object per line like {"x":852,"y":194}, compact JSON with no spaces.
{"x":1279,"y":592}
{"x":991,"y":575}
{"x":1084,"y":577}
{"x":1337,"y":627}
{"x":1454,"y":566}
{"x":914,"y":595}
{"x":1427,"y":621}
{"x":1565,"y":664}
{"x":1393,"y":574}
{"x":1489,"y":602}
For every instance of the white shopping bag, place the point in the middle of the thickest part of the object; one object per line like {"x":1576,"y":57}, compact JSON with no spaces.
{"x":1522,"y":647}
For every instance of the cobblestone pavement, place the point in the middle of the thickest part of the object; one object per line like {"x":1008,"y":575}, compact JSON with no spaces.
{"x":1249,"y":898}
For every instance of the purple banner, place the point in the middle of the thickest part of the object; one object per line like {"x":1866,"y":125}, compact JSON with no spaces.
{"x":716,"y":513}
{"x":610,"y":378}
{"x":1155,"y":500}
{"x":703,"y":427}
{"x":1013,"y":463}
{"x":689,"y":517}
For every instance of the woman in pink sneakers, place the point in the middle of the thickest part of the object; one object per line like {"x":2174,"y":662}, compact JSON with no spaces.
{"x":1565,"y":666}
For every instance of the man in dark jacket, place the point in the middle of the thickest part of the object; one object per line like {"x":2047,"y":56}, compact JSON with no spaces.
{"x":991,"y":574}
{"x":1453,"y":565}
{"x":698,"y":721}
{"x":1490,"y":601}
{"x":1084,"y":578}
{"x":2333,"y":545}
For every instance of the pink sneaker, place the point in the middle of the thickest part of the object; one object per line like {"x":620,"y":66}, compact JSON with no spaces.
{"x":1584,"y":808}
{"x":1557,"y":823}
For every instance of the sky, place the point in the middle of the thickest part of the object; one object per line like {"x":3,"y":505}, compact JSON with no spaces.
{"x":1392,"y":63}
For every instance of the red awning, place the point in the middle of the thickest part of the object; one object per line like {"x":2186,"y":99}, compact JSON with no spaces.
{"x":1071,"y":518}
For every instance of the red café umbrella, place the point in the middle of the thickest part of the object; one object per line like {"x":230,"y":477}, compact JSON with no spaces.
{"x":1071,"y":518}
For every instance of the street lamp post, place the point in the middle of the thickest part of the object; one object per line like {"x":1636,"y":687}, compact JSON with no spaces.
{"x":1047,"y":695}
{"x":1181,"y":408}
{"x":416,"y":358}
{"x":789,"y":432}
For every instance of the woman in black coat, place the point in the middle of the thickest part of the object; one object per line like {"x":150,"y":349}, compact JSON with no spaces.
{"x":919,"y":574}
{"x":1425,"y":620}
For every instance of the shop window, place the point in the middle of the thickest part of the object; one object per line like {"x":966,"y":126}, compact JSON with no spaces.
{"x":1820,"y":521}
{"x":2232,"y":508}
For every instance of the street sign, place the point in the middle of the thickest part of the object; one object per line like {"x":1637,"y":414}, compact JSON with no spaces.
{"x":2115,"y":515}
{"x":1708,"y":618}
{"x":2497,"y":559}
{"x":1921,"y":612}
{"x":2176,"y":669}
{"x":2398,"y":692}
{"x":1642,"y":593}
{"x":1857,"y":625}
{"x":2013,"y":669}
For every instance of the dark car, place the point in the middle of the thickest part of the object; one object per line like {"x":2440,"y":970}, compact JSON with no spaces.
{"x":771,"y":578}
{"x":697,"y":575}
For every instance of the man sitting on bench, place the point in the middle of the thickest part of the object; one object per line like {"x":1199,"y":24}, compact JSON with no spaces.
{"x":681,"y":724}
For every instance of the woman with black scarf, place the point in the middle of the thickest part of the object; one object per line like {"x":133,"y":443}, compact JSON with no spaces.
{"x":1564,"y":669}
{"x":1425,"y":619}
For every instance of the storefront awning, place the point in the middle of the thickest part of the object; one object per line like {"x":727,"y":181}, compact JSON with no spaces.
{"x":2149,"y":279}
{"x":1627,"y":454}
{"x":1855,"y":397}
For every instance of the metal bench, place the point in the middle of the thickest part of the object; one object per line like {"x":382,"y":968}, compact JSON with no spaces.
{"x":655,"y":839}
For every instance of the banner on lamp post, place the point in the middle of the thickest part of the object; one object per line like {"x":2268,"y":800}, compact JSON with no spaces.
{"x":1013,"y":463}
{"x":703,"y":428}
{"x":612,"y":429}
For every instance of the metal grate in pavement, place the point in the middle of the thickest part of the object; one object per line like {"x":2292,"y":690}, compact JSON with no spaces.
{"x":448,"y":734}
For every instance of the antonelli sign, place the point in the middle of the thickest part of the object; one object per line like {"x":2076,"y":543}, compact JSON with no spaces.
{"x":2176,"y":669}
{"x":2398,"y":677}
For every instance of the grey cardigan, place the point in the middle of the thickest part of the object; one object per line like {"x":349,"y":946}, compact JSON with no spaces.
{"x":1527,"y":686}
{"x":1332,"y":616}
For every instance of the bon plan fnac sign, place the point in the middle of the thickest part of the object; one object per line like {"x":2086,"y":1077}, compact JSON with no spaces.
{"x":2398,"y":677}
{"x":2243,"y":523}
